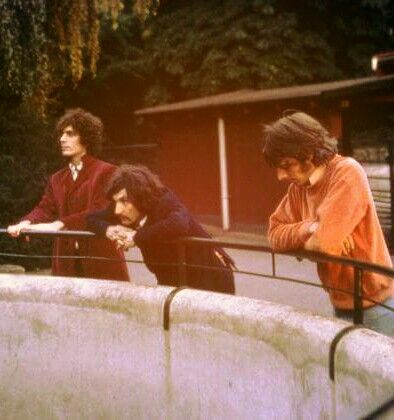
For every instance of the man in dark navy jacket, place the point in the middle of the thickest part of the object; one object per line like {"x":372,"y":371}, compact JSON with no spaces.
{"x":146,"y":214}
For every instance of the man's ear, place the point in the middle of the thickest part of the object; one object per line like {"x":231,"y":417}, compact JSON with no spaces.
{"x":309,"y":159}
{"x":315,"y":158}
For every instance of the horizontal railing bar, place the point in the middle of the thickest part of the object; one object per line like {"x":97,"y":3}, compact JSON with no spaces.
{"x":55,"y":233}
{"x":70,"y":257}
{"x":207,"y":267}
{"x":311,"y":255}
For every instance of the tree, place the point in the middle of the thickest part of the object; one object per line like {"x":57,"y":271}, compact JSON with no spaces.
{"x":120,"y":79}
{"x":24,"y":139}
{"x":45,"y":41}
{"x":355,"y":29}
{"x":194,"y":48}
{"x":204,"y":47}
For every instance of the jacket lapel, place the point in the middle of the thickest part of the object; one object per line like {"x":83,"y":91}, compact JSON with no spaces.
{"x":83,"y":174}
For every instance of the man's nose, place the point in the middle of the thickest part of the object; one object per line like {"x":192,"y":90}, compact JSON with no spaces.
{"x":281,"y":174}
{"x":118,"y":209}
{"x":62,"y":138}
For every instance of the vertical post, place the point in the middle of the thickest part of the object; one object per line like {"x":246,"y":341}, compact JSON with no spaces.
{"x":223,"y":175}
{"x":358,"y":298}
{"x":273,"y":264}
{"x":181,"y":262}
{"x":391,"y":163}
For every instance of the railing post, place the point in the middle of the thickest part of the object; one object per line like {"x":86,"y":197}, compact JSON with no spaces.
{"x":273,"y":264}
{"x":181,"y":246}
{"x":358,"y":298}
{"x":391,"y":166}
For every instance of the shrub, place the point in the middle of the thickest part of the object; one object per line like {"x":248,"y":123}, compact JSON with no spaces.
{"x":27,"y":156}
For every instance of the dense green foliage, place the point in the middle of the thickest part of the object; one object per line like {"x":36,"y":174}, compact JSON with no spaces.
{"x":196,"y":48}
{"x":24,"y":140}
{"x":205,"y":47}
{"x":120,"y":83}
{"x":44,"y":42}
{"x":214,"y":49}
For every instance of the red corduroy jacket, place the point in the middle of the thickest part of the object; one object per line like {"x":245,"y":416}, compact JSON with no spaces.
{"x":70,"y":201}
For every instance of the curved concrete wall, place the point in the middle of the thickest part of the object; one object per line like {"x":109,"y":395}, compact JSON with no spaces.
{"x":97,"y":349}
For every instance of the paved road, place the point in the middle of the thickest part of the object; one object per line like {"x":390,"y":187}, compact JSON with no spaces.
{"x":312,"y":299}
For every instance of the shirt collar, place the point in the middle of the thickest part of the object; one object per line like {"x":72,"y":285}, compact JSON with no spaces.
{"x":142,"y":222}
{"x":317,"y":175}
{"x":78,"y":166}
{"x":75,"y":169}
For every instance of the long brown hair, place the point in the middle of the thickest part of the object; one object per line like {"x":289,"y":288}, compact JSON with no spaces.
{"x":299,"y":136}
{"x":89,"y":127}
{"x":143,"y":187}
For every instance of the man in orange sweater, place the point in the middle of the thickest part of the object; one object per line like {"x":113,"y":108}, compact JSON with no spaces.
{"x":328,"y":208}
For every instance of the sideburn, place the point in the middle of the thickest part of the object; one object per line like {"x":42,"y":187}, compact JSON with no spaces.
{"x":307,"y":167}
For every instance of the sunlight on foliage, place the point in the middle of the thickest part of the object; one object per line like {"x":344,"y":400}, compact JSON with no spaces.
{"x":42,"y":42}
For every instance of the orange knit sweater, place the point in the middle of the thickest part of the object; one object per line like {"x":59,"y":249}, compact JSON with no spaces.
{"x":342,"y":204}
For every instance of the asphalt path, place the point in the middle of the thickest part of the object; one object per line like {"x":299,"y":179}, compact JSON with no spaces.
{"x":308,"y":298}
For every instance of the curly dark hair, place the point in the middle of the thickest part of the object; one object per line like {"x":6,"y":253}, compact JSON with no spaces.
{"x":88,"y":126}
{"x":298,"y":136}
{"x":143,"y":187}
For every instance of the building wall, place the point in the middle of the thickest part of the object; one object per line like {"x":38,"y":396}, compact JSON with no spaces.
{"x":254,"y":189}
{"x":189,"y":164}
{"x":188,"y":160}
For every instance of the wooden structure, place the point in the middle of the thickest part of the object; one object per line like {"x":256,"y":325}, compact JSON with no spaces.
{"x":210,"y":148}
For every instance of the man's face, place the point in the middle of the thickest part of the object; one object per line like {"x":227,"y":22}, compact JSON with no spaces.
{"x":125,"y":210}
{"x":70,"y":144}
{"x":294,"y":171}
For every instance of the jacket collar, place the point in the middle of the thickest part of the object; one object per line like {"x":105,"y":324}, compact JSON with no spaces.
{"x":83,"y":175}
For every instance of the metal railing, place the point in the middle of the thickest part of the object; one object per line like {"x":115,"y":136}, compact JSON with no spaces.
{"x":359,"y":266}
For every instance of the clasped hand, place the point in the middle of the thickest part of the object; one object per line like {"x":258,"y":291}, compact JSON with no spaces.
{"x":122,"y":236}
{"x":347,"y":246}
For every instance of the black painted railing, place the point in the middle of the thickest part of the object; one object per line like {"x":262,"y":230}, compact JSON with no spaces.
{"x":359,"y":266}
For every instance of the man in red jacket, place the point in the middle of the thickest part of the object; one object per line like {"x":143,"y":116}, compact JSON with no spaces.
{"x":70,"y":195}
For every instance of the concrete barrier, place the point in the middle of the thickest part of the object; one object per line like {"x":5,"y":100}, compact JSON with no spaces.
{"x":89,"y":349}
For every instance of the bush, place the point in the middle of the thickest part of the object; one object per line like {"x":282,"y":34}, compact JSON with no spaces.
{"x":27,"y":156}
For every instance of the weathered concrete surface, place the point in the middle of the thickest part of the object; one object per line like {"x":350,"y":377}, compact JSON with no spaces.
{"x":80,"y":349}
{"x":300,"y":296}
{"x":278,"y":365}
{"x":12,"y":268}
{"x":275,"y":368}
{"x":364,"y":372}
{"x":96,"y":349}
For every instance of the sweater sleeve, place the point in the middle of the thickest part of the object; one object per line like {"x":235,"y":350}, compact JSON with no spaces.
{"x":287,"y":230}
{"x":344,"y":206}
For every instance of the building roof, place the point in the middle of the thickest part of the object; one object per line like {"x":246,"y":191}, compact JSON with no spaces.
{"x":328,"y":90}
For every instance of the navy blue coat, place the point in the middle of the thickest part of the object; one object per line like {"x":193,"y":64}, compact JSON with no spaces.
{"x":170,"y":220}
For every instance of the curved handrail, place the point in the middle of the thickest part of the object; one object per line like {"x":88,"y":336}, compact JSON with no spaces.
{"x":311,"y":255}
{"x":358,"y":265}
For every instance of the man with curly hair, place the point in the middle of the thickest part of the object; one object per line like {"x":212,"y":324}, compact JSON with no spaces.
{"x":328,"y":208}
{"x":70,"y":195}
{"x":147,"y":214}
